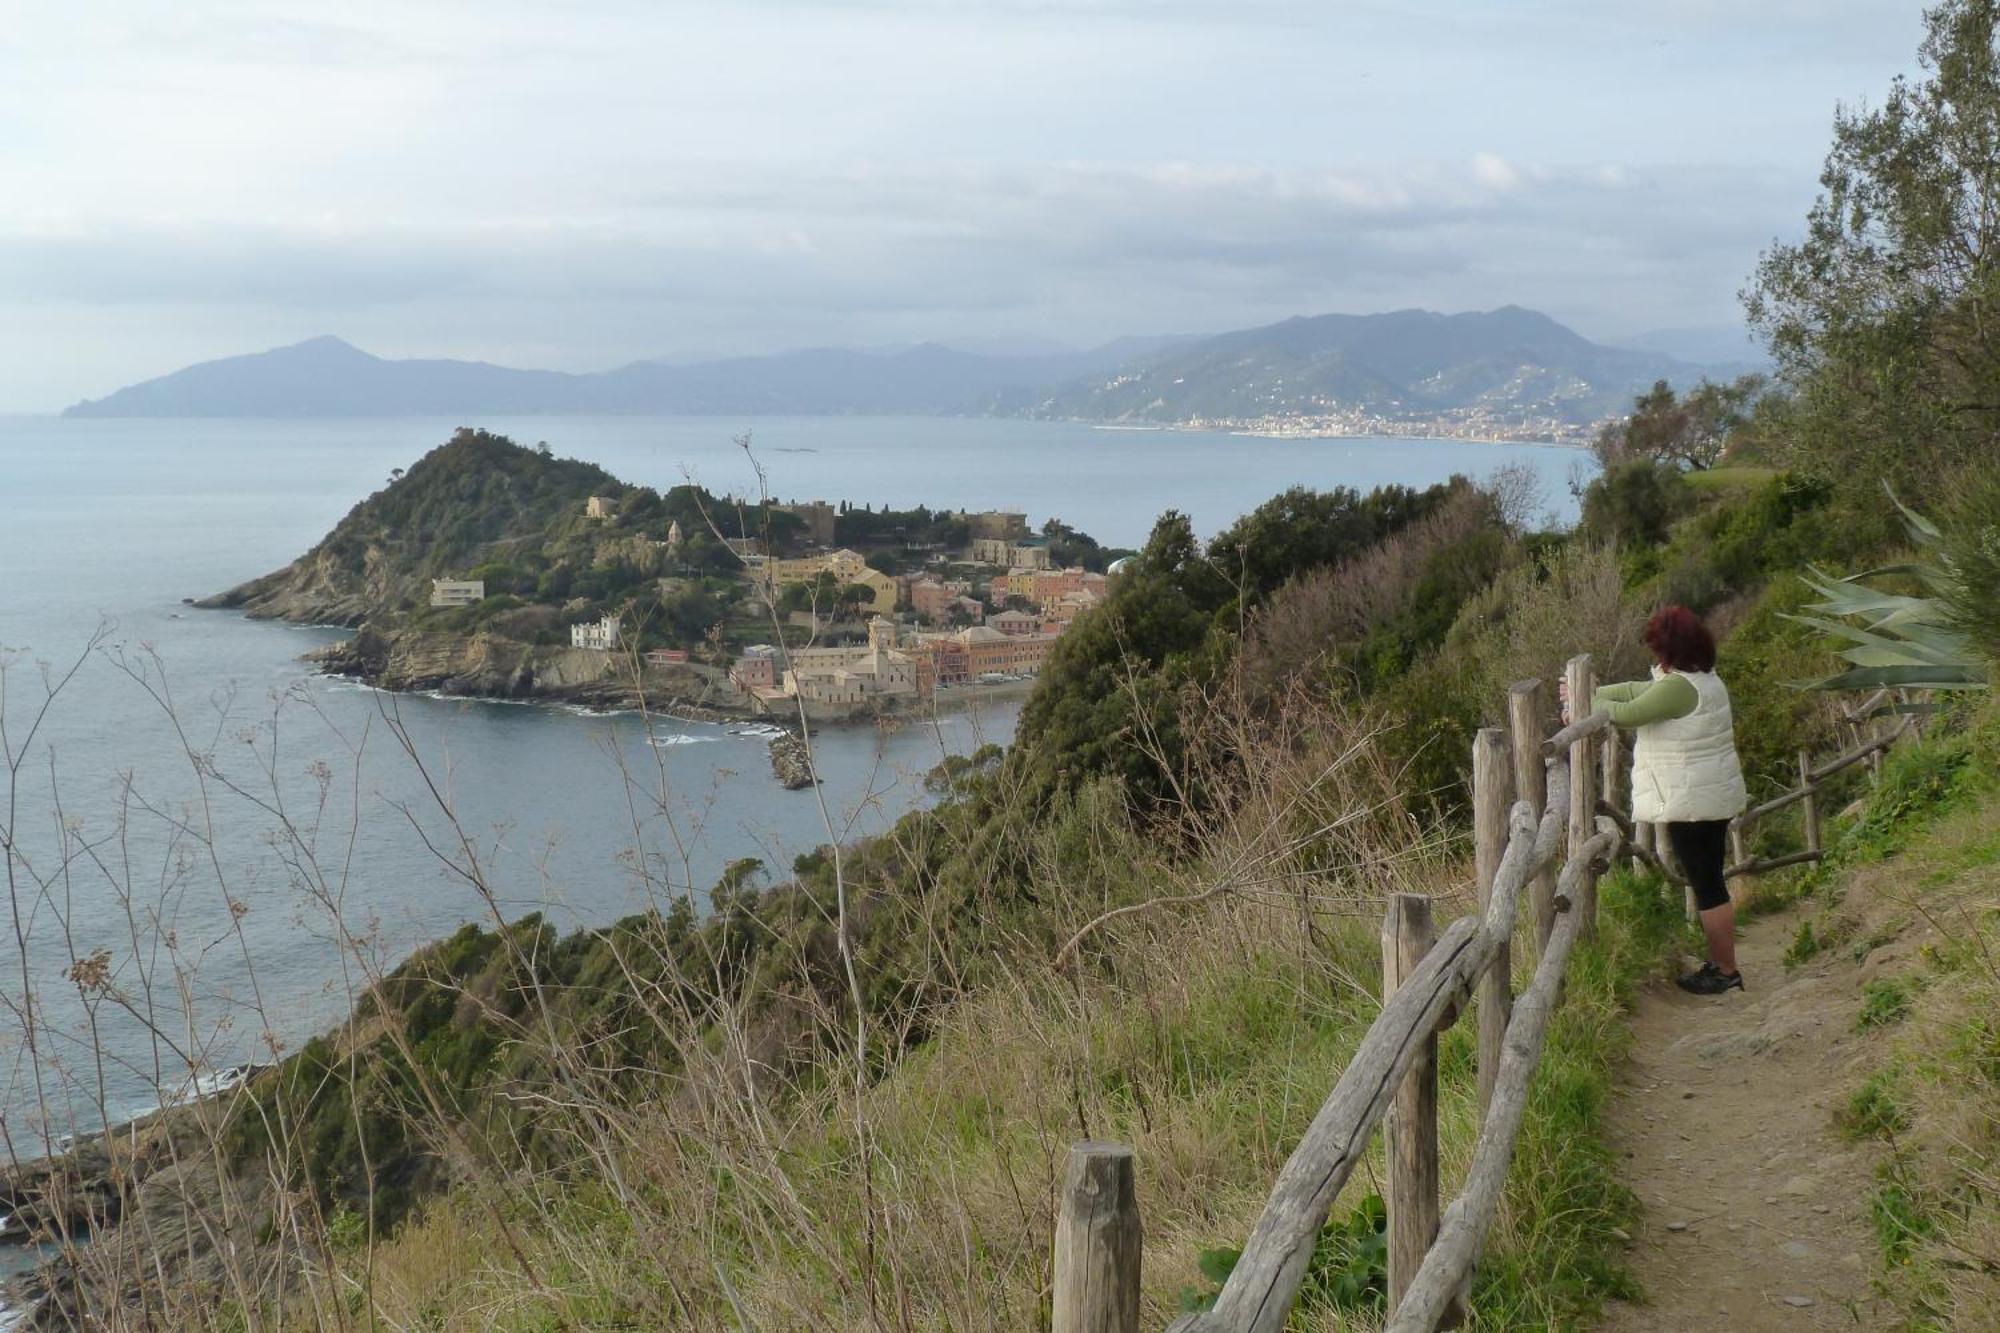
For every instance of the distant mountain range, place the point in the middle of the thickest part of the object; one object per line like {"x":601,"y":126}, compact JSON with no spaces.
{"x":1404,"y":365}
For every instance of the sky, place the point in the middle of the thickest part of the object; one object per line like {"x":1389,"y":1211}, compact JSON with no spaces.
{"x":576,"y":186}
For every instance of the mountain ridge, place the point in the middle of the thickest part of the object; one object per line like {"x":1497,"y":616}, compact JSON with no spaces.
{"x":1399,"y":365}
{"x":1413,"y":364}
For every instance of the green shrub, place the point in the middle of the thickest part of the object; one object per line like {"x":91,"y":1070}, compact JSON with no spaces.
{"x":1873,"y":1111}
{"x":1806,"y":945}
{"x":1899,"y":1215}
{"x":1882,"y":1003}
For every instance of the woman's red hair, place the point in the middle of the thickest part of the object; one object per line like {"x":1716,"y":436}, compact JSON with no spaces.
{"x":1679,"y":639}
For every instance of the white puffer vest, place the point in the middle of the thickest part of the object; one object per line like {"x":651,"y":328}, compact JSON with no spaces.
{"x":1685,"y":770}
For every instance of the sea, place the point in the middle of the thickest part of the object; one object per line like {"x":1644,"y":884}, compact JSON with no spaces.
{"x":209,"y":849}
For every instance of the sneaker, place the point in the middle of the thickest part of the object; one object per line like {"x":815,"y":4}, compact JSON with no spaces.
{"x":1710,"y":980}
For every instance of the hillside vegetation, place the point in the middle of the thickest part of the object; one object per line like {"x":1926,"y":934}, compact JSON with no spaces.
{"x":482,"y":507}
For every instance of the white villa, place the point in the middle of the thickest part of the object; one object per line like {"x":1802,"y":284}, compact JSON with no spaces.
{"x":602,"y":636}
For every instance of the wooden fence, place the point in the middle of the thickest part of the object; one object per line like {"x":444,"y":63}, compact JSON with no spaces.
{"x":1548,"y":819}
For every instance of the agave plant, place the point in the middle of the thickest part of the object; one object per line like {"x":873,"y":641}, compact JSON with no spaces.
{"x":1898,"y":640}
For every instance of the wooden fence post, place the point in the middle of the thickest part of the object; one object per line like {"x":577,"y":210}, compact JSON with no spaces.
{"x":1097,"y":1243}
{"x":1531,"y":784}
{"x":1411,"y":1127}
{"x":1582,"y":681}
{"x":1611,"y":772}
{"x":1811,"y":803}
{"x":1491,"y":787}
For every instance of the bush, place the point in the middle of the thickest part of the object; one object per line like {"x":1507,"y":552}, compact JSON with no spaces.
{"x":1635,"y":504}
{"x":1874,"y":1111}
{"x":1882,"y":1003}
{"x":1972,"y":550}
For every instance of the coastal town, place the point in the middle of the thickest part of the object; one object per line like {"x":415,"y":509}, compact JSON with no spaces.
{"x":842,"y":638}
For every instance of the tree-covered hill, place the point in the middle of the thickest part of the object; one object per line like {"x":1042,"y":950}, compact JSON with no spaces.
{"x":482,"y":507}
{"x":1403,"y":363}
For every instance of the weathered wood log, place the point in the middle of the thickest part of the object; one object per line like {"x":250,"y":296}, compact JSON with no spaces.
{"x":1611,"y":775}
{"x":1641,"y":850}
{"x":1491,"y":780}
{"x":1772,"y":806}
{"x":1871,"y":750}
{"x":1866,"y":707}
{"x":1260,"y":1291}
{"x":1097,"y":1245}
{"x":1580,"y":730}
{"x":1811,"y":817}
{"x":1763,"y":865}
{"x":1447,"y":1270}
{"x":1531,"y":784}
{"x":1586,"y":865}
{"x":1410,"y":1132}
{"x":1582,"y":682}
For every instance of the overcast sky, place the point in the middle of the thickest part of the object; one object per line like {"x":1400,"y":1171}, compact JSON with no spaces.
{"x":580,"y":185}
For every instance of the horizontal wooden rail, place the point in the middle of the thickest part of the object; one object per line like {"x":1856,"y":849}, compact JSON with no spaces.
{"x":1580,"y":730}
{"x":1772,"y":806}
{"x":1811,"y":779}
{"x":1758,"y":865}
{"x":1853,"y":757}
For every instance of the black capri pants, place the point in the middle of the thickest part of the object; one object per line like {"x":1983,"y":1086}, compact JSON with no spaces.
{"x":1699,"y":846}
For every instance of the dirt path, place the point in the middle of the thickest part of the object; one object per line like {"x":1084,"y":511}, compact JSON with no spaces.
{"x":1755,"y":1210}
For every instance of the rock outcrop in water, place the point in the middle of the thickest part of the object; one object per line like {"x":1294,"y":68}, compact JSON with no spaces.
{"x":791,"y":761}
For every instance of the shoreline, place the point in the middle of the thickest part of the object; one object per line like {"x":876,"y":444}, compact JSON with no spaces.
{"x":1280,"y":433}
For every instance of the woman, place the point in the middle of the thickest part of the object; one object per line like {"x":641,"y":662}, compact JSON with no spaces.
{"x":1685,"y":774}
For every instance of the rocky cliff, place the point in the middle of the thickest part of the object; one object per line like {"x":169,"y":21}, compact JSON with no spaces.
{"x":490,"y":666}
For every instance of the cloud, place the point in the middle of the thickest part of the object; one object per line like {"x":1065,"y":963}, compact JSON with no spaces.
{"x":582,"y":185}
{"x":883,"y":241}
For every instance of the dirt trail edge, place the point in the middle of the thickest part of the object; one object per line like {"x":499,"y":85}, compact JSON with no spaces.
{"x":1754,"y":1208}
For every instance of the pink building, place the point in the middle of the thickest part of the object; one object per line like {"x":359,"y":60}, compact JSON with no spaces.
{"x":757,"y":669}
{"x":929,"y":598}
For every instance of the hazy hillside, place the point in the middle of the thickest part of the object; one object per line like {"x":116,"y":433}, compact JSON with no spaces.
{"x":328,"y":377}
{"x":1404,"y":363}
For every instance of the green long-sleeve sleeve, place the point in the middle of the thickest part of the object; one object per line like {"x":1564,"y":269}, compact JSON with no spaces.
{"x":1635,"y":703}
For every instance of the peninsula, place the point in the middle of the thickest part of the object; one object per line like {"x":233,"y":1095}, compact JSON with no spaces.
{"x":492,"y":570}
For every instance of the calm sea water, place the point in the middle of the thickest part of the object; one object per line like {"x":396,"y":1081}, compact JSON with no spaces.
{"x":234,"y":840}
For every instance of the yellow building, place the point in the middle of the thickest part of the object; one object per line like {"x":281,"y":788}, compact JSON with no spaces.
{"x":845,"y":565}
